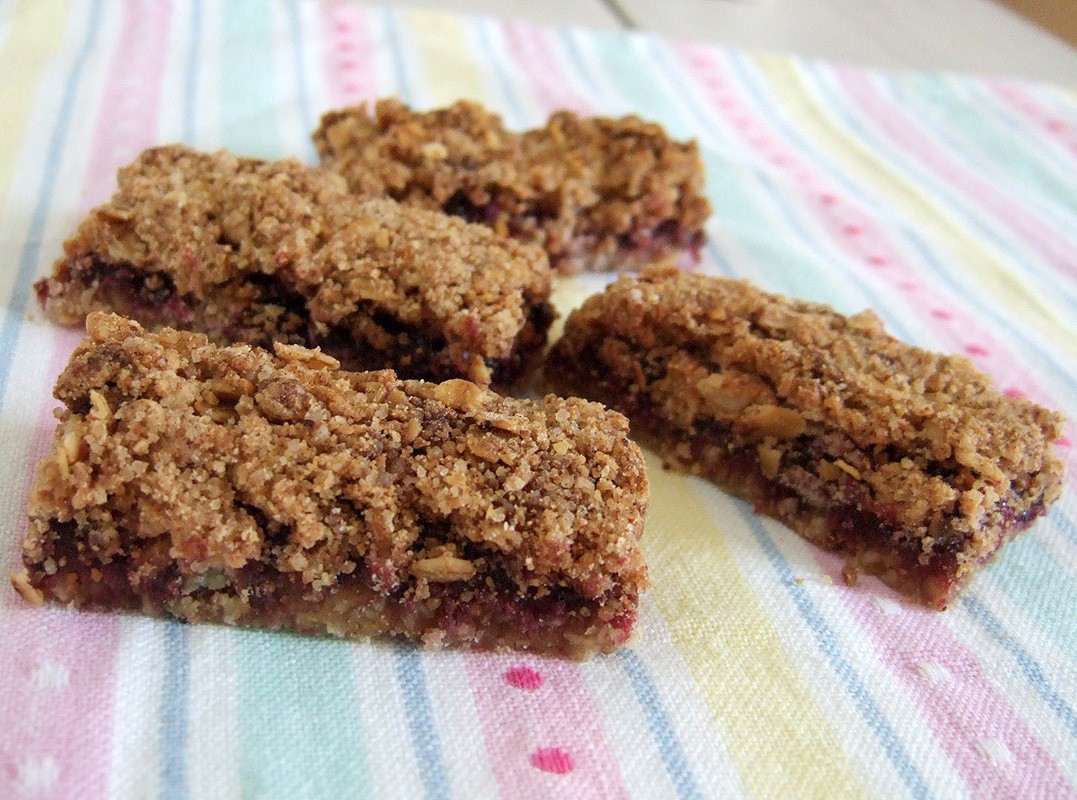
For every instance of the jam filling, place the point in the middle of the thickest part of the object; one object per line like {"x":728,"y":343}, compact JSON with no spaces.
{"x":642,"y":244}
{"x":481,"y":612}
{"x":264,"y":310}
{"x":863,"y":529}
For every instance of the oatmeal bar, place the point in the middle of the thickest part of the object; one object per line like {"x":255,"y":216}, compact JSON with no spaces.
{"x":277,"y":491}
{"x":907,"y":461}
{"x":257,"y":252}
{"x":596,"y":193}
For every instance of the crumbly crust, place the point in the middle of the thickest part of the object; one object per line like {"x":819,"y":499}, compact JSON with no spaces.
{"x":907,"y":460}
{"x":257,"y":252}
{"x":596,"y":193}
{"x":235,"y":485}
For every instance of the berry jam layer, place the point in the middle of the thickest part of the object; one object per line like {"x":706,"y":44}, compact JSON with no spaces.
{"x":257,"y":252}
{"x":908,"y":462}
{"x":595,"y":193}
{"x":445,"y":602}
{"x":233,"y":485}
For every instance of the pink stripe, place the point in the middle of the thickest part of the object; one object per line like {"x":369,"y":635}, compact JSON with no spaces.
{"x":64,"y":342}
{"x":348,"y":54}
{"x":542,"y":729}
{"x":127,"y":117}
{"x":854,"y":230}
{"x":904,"y":132}
{"x":984,"y":735}
{"x":552,"y":86}
{"x":58,"y":713}
{"x":1056,"y":127}
{"x":58,"y":667}
{"x":57,"y":664}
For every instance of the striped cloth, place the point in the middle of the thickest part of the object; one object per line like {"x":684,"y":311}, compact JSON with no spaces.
{"x":947,"y":203}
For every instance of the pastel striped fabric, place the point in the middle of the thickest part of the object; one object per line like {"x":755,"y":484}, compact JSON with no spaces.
{"x":947,"y":203}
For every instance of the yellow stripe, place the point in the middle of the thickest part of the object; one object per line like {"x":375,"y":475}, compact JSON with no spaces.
{"x":452,"y":73}
{"x":36,"y":32}
{"x":775,"y":731}
{"x":786,"y":83}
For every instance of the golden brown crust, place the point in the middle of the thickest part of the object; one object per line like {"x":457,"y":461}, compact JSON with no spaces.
{"x":255,"y":251}
{"x":231,"y":484}
{"x":784,"y":400}
{"x":596,"y":193}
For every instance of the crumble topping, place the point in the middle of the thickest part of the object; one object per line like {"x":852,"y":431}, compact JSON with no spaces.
{"x":258,"y":252}
{"x":822,"y":420}
{"x":596,"y":193}
{"x":231,"y":484}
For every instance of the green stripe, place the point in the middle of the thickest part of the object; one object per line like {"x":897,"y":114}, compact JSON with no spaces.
{"x":299,"y":726}
{"x":300,"y":732}
{"x":998,"y":146}
{"x":1029,"y":574}
{"x":249,"y":124}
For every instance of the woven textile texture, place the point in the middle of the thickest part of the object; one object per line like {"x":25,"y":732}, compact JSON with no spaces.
{"x":947,"y":203}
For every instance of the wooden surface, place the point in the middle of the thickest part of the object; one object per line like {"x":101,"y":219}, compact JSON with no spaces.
{"x":973,"y":36}
{"x":1057,"y":16}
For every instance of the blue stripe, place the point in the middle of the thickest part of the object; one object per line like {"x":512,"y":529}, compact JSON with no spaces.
{"x":190,"y":81}
{"x":973,"y":137}
{"x":174,"y":702}
{"x":894,"y":321}
{"x":20,"y":293}
{"x":988,"y":101}
{"x":1064,"y":522}
{"x":661,"y":727}
{"x":305,"y":115}
{"x":299,"y":735}
{"x":424,"y":736}
{"x":936,"y":266}
{"x":819,"y":158}
{"x":1004,"y":326}
{"x":796,"y":271}
{"x":987,"y":230}
{"x":174,"y":713}
{"x":508,"y":92}
{"x":733,"y":203}
{"x":1030,"y":574}
{"x":396,"y":48}
{"x":602,"y":92}
{"x":831,"y":648}
{"x":1032,"y":670}
{"x":724,"y":264}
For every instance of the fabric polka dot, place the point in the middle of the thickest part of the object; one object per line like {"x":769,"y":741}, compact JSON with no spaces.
{"x":878,"y":261}
{"x":942,"y":313}
{"x":552,"y":759}
{"x":48,"y":676}
{"x":36,"y":776}
{"x":977,"y":350}
{"x":1013,"y":392}
{"x":994,"y":750}
{"x":934,"y":672}
{"x":887,"y":605}
{"x":524,"y":678}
